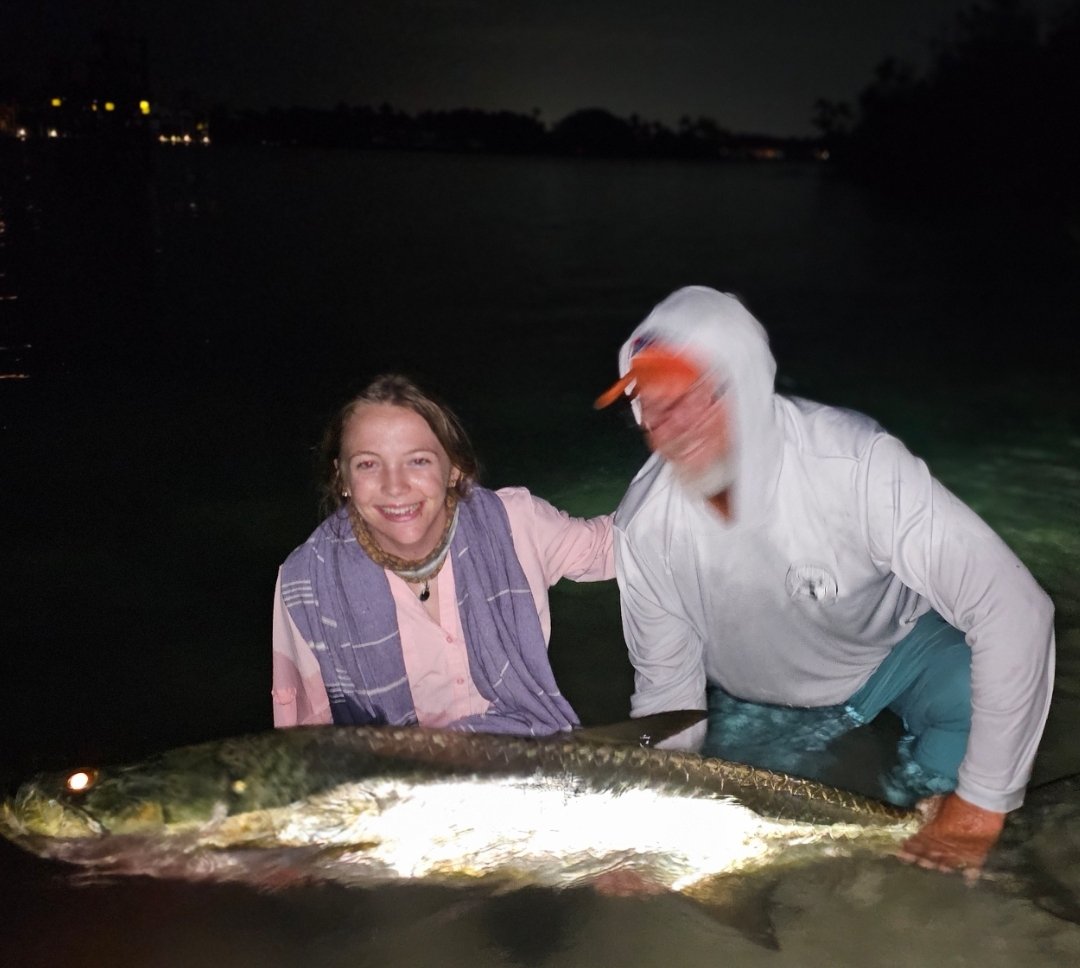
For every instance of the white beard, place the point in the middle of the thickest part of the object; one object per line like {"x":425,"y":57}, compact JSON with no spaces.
{"x":715,"y":479}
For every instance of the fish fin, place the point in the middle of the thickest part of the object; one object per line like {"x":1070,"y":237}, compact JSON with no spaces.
{"x":645,"y":730}
{"x":743,"y":905}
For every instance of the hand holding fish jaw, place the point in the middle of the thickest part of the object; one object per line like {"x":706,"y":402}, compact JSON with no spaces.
{"x":957,"y":836}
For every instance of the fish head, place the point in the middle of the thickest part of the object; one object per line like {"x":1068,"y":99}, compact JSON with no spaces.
{"x":173,"y":792}
{"x":44,"y":807}
{"x":220,"y":793}
{"x":91,"y":803}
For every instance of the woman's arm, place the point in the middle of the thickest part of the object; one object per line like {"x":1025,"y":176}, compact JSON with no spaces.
{"x":562,"y":546}
{"x":299,"y":695}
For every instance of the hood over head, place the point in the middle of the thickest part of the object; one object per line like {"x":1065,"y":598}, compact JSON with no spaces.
{"x":724,"y":343}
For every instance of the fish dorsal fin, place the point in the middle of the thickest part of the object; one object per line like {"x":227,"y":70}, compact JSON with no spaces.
{"x":645,"y":730}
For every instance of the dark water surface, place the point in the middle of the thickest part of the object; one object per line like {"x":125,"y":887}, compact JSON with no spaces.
{"x":179,"y":337}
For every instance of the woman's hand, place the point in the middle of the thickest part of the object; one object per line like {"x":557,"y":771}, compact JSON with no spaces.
{"x":956,"y":836}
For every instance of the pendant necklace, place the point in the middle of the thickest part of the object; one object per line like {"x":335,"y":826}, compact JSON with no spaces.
{"x":412,"y":572}
{"x":425,"y":592}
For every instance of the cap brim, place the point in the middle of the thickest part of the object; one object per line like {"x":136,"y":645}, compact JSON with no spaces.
{"x":612,"y":393}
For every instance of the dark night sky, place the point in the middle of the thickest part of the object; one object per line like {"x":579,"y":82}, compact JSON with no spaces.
{"x":752,"y":65}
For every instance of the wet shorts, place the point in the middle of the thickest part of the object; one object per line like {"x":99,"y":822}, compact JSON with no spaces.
{"x":925,"y":680}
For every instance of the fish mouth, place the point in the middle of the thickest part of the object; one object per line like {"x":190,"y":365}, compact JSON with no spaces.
{"x":31,"y":814}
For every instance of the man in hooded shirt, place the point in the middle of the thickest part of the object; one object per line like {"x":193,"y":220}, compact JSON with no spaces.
{"x":780,"y":555}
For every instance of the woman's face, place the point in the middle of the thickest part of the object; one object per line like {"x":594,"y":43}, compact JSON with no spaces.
{"x":396,"y":474}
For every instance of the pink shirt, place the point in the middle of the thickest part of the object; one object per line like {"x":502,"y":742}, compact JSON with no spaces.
{"x":550,"y":545}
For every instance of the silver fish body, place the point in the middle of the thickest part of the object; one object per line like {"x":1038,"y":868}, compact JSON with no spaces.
{"x":370,"y":805}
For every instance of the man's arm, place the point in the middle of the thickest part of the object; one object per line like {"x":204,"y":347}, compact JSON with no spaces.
{"x":939,"y":547}
{"x":666,"y":653}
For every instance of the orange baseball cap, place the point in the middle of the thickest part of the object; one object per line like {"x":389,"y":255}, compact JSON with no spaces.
{"x":653,"y":368}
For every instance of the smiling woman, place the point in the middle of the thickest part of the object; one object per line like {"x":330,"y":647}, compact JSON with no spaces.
{"x":422,"y":597}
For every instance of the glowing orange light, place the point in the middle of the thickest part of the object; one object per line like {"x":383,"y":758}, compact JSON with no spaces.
{"x":56,"y":102}
{"x":144,"y":107}
{"x":109,"y":106}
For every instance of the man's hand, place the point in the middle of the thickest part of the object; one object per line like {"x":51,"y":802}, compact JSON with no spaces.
{"x":956,"y":836}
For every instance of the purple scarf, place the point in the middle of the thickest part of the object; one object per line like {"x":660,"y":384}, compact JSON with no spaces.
{"x":340,"y":601}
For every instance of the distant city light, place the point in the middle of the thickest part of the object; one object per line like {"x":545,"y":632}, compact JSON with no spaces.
{"x":56,"y":102}
{"x":22,"y":134}
{"x":110,"y":106}
{"x":53,"y":133}
{"x":182,"y":139}
{"x":144,"y":107}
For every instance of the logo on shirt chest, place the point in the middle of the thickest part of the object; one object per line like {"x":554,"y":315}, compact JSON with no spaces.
{"x":811,"y":581}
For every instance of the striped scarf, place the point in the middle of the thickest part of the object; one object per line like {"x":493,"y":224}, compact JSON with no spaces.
{"x":340,"y":601}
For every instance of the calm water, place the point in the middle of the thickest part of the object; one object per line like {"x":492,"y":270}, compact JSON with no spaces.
{"x":178,"y":339}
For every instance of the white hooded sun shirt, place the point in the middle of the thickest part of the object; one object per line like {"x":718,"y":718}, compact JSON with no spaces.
{"x":839,"y":541}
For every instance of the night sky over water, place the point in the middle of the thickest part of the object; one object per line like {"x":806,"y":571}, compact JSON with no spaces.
{"x":756,"y":66}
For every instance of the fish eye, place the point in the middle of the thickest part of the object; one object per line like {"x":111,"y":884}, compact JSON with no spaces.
{"x":80,"y":781}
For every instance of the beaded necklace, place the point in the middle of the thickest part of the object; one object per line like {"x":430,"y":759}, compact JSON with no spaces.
{"x":420,"y":570}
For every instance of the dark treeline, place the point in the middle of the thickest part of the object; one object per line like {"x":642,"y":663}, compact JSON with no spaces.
{"x":996,"y":113}
{"x":589,"y":132}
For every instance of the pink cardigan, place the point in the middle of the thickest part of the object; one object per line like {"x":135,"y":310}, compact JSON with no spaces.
{"x":550,"y":545}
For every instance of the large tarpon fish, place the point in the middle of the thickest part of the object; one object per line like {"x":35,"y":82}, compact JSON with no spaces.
{"x":371,"y":805}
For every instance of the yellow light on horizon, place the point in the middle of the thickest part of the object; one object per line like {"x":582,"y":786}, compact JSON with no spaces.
{"x":144,"y":107}
{"x":109,"y":106}
{"x":56,"y":102}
